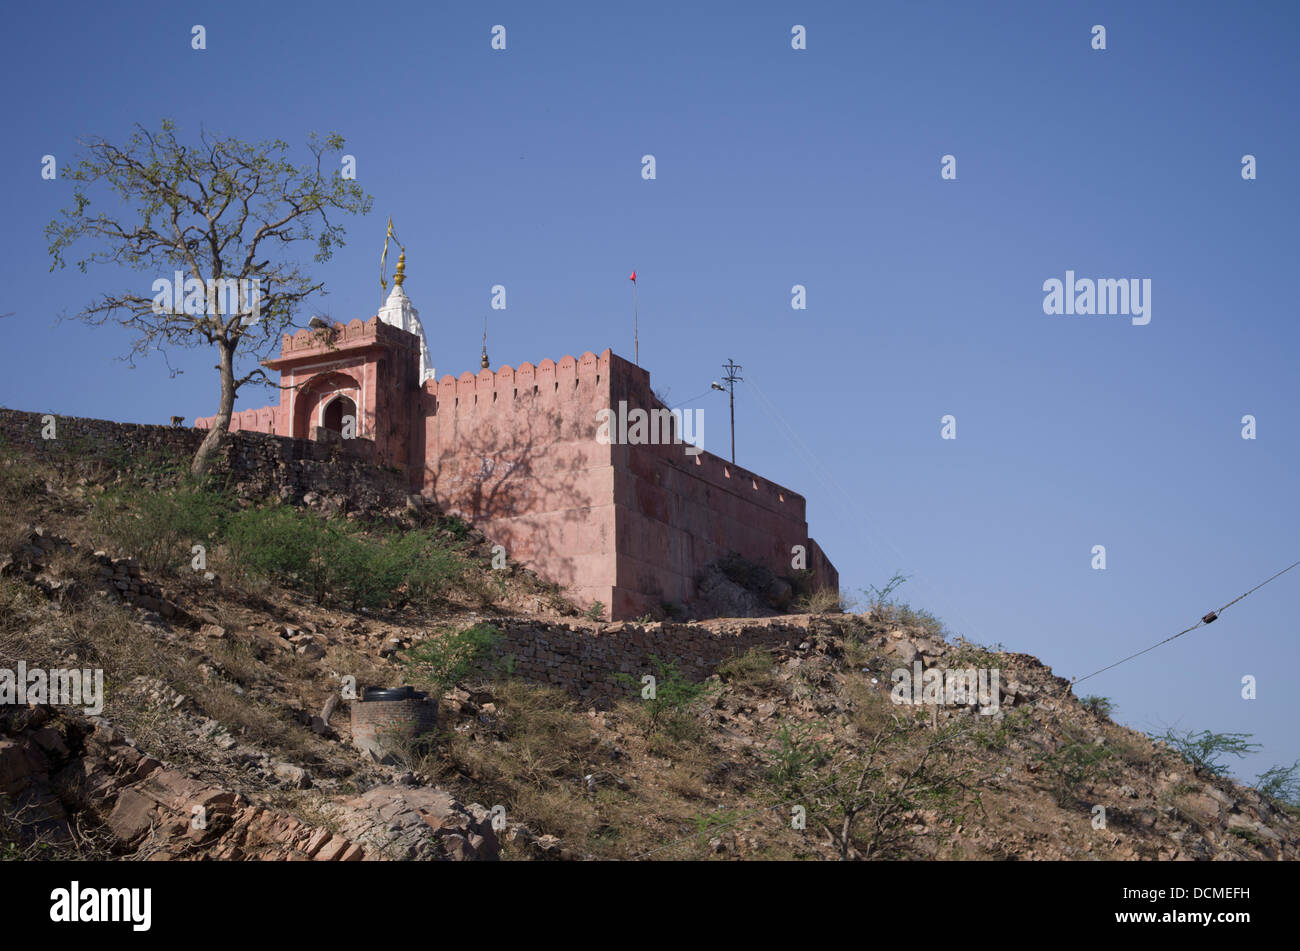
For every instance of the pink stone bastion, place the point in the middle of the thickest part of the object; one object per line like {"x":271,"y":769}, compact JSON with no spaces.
{"x":515,"y":452}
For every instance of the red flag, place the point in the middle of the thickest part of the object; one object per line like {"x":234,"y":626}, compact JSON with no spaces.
{"x":633,"y":277}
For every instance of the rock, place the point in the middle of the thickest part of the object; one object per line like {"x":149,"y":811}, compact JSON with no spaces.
{"x":316,"y":841}
{"x":1247,"y":824}
{"x":215,"y":631}
{"x":419,"y":823}
{"x":294,"y":776}
{"x":333,"y":850}
{"x":331,"y":705}
{"x":311,"y":650}
{"x":132,"y":817}
{"x":1203,"y":805}
{"x":19,"y":764}
{"x":49,"y":739}
{"x":905,"y":651}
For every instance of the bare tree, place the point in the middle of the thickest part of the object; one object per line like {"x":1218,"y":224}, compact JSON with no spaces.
{"x":223,"y":216}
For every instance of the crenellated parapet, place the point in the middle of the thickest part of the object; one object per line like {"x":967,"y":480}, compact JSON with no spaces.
{"x":311,"y":342}
{"x":546,"y":378}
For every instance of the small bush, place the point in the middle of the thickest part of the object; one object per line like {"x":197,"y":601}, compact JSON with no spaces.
{"x":159,"y":527}
{"x":797,"y":755}
{"x":1102,"y":706}
{"x":1204,"y":749}
{"x":668,"y":708}
{"x":439,"y":663}
{"x":1075,"y":764}
{"x":878,"y":598}
{"x":754,"y":667}
{"x":333,"y":561}
{"x":1281,"y":783}
{"x":823,"y":601}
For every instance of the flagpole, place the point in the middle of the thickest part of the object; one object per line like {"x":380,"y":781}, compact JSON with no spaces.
{"x":636,"y":338}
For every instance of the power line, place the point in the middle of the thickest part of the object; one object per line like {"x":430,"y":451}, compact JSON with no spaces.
{"x":1208,"y":619}
{"x":692,"y":399}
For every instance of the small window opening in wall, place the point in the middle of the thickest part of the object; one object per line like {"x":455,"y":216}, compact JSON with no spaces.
{"x":726,"y":473}
{"x":697,"y":460}
{"x":494,"y":396}
{"x":516,"y":392}
{"x":597,"y":377}
{"x":780,"y":496}
{"x":557,"y":386}
{"x":534,"y":389}
{"x":754,"y":483}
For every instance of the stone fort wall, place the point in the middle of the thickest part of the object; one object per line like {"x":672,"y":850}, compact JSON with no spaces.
{"x":254,"y":464}
{"x":515,"y":451}
{"x":676,"y":513}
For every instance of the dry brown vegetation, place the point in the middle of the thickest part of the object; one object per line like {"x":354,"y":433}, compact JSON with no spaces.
{"x":725,"y":769}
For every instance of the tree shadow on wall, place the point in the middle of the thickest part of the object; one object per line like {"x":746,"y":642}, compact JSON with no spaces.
{"x":519,"y":484}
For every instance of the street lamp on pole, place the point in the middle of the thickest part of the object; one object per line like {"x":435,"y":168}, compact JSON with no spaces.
{"x":732,"y":379}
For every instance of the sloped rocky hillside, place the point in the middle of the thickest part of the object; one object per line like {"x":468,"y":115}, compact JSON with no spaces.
{"x":223,"y":733}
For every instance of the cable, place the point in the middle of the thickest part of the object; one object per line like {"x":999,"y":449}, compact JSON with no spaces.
{"x":1208,"y":619}
{"x":692,"y":399}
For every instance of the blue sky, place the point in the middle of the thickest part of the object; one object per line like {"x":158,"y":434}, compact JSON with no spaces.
{"x":818,"y":167}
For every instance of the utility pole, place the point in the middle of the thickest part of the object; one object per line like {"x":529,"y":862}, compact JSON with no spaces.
{"x":731,"y":367}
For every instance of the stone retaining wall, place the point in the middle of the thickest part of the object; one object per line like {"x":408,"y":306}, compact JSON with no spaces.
{"x":253,"y":464}
{"x":584,"y":659}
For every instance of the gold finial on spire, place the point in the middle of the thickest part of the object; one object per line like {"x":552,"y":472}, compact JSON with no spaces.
{"x":485,"y":363}
{"x":399,"y":275}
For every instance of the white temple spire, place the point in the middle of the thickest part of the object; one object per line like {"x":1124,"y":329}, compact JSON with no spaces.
{"x":400,"y":312}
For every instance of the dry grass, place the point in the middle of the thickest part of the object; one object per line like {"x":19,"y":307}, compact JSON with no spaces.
{"x":753,"y":669}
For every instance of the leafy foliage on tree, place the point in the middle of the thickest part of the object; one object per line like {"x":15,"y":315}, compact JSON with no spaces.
{"x":217,"y":210}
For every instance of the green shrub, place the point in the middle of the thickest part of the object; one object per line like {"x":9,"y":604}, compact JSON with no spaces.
{"x":1102,"y":706}
{"x":439,"y":663}
{"x":283,"y":545}
{"x":668,"y":708}
{"x":797,"y":755}
{"x":160,"y":527}
{"x":1075,"y":764}
{"x":334,"y":561}
{"x":1205,"y":748}
{"x":1281,"y":783}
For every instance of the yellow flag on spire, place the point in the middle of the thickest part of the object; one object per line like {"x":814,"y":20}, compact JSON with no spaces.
{"x":383,"y":281}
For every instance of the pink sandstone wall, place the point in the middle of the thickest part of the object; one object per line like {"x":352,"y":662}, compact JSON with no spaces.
{"x":515,"y":452}
{"x":675,"y":513}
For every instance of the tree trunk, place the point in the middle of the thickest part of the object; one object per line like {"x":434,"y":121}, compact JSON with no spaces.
{"x":216,"y":436}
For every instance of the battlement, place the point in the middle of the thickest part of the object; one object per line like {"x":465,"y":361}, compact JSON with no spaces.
{"x":545,"y":378}
{"x":729,"y":477}
{"x":311,"y":343}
